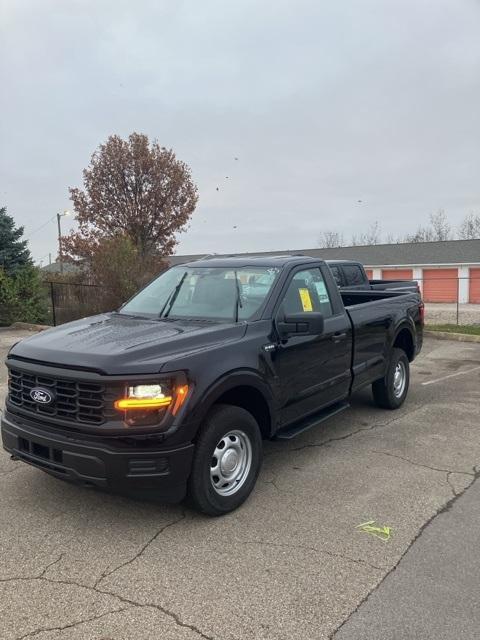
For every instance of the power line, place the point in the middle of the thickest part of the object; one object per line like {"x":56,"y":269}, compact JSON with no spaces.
{"x":40,"y":227}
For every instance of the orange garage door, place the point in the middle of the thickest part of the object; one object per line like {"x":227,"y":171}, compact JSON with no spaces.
{"x":440,"y":285}
{"x":474,"y":295}
{"x":397,"y":274}
{"x":369,"y":273}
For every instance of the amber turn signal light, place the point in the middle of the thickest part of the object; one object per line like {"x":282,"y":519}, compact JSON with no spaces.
{"x":181,"y":394}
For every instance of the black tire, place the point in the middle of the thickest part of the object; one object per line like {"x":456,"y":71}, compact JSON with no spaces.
{"x":222,"y":420}
{"x":386,"y":393}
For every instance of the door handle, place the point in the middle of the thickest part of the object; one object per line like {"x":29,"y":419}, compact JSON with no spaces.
{"x":338,"y":337}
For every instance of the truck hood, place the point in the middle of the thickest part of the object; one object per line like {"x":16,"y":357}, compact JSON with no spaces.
{"x":116,"y":344}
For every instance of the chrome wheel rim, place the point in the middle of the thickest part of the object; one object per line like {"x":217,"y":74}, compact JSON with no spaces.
{"x":231,"y":462}
{"x":399,"y":379}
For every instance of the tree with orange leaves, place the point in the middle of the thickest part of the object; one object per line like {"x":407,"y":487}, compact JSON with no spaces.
{"x":133,"y":191}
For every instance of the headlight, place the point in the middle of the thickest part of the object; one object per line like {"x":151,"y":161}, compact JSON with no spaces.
{"x":149,"y":404}
{"x":145,"y":396}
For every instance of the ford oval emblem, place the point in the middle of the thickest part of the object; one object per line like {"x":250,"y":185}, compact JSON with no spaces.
{"x":42,"y":396}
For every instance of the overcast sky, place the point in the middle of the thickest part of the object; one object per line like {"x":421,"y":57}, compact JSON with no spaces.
{"x":323,"y":103}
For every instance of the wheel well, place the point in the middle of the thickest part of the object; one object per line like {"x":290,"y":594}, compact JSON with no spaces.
{"x":252,"y":401}
{"x":404,"y":340}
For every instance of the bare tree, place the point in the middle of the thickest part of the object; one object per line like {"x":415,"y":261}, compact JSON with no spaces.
{"x":438,"y":230}
{"x":373,"y":234}
{"x":330,"y":239}
{"x":440,"y":226}
{"x":470,"y":227}
{"x":369,"y":237}
{"x":422,"y":234}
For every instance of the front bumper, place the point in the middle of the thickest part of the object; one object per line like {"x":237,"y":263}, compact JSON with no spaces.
{"x":114,"y":466}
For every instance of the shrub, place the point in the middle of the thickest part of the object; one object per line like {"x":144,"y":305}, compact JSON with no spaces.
{"x":23,"y":298}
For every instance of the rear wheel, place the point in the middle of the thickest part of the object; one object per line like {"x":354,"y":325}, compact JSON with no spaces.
{"x":227,"y":460}
{"x":390,"y":392}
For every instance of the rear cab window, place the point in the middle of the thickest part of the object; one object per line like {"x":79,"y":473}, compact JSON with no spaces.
{"x":353,"y":275}
{"x":337,"y":274}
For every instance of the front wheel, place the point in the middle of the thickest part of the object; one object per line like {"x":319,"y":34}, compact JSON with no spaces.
{"x":390,"y":392}
{"x":227,"y":460}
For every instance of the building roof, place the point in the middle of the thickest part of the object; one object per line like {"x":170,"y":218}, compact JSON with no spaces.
{"x":408,"y":253}
{"x":55,"y":267}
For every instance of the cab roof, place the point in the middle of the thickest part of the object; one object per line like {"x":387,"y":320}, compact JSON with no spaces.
{"x":251,"y":261}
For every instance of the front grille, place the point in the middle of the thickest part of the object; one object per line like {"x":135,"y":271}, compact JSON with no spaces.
{"x":73,"y":401}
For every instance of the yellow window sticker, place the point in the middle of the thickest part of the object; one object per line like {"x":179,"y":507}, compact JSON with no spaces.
{"x":306,"y":300}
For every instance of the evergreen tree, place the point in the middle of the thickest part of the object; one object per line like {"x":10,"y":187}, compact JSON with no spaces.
{"x":14,"y":253}
{"x":22,"y":294}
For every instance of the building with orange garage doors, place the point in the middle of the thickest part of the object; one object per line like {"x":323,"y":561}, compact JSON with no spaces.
{"x":447,"y":271}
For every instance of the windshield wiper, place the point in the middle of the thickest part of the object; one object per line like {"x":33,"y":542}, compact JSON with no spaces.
{"x":172,"y":297}
{"x":238,"y":300}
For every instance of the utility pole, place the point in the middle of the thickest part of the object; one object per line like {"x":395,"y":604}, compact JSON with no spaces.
{"x":60,"y":252}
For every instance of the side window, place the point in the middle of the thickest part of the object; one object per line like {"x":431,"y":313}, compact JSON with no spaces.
{"x":353,"y":275}
{"x":307,"y":292}
{"x":337,"y":274}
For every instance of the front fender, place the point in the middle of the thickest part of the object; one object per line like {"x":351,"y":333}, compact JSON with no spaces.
{"x":202,"y":402}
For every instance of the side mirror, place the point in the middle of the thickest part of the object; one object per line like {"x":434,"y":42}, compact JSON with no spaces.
{"x":309,"y":323}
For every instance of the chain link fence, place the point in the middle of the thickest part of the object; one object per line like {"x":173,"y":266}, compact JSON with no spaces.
{"x":67,"y":301}
{"x":451,"y":300}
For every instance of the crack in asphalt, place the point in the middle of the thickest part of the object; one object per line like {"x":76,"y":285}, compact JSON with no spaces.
{"x":273,"y":483}
{"x":475,"y":475}
{"x":36,"y":632}
{"x":95,"y":588}
{"x":142,"y":549}
{"x":357,"y":431}
{"x":314,"y":549}
{"x":452,"y":487}
{"x":346,"y":436}
{"x":103,"y":592}
{"x":60,"y":557}
{"x":39,"y":576}
{"x":420,"y":464}
{"x":448,"y":472}
{"x":171,"y":614}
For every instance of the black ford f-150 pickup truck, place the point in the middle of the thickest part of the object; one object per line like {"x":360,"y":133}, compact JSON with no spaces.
{"x":173,"y":393}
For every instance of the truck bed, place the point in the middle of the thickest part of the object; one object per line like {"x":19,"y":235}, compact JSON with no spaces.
{"x":375,"y":316}
{"x":353,"y":297}
{"x":405,"y":285}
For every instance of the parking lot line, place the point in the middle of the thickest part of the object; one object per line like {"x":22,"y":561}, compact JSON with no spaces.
{"x":452,"y":375}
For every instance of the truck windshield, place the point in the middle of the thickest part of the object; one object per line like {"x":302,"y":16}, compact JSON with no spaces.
{"x":204,"y":293}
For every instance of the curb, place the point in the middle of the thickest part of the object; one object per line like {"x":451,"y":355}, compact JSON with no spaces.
{"x":446,"y":335}
{"x":29,"y":326}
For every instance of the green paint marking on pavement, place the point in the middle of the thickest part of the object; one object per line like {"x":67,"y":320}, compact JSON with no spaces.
{"x":383,"y":533}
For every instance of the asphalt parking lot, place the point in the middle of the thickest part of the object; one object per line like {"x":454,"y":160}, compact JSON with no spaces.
{"x":290,"y":564}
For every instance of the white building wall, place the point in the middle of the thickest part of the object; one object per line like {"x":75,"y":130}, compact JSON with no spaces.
{"x":463,"y":284}
{"x":417,"y":274}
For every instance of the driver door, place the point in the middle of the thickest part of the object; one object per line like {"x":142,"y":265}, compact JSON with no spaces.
{"x":313,"y":371}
